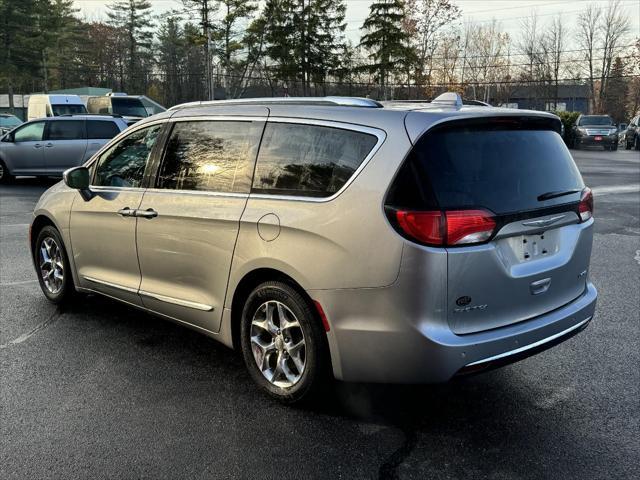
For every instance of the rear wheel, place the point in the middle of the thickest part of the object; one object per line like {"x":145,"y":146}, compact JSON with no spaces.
{"x":636,"y":143}
{"x":283,"y":345}
{"x":5,"y":176}
{"x":52,"y":266}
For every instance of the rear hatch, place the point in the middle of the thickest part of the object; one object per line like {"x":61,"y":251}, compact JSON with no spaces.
{"x":502,"y":196}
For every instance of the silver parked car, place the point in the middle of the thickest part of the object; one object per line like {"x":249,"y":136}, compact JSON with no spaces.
{"x":397,"y":242}
{"x":49,"y":146}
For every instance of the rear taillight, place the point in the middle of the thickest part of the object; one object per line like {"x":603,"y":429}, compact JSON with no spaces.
{"x":586,"y":205}
{"x":455,"y":227}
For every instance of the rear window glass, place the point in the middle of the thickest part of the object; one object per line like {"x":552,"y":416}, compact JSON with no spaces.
{"x":504,"y":171}
{"x":67,"y":109}
{"x":66,"y":130}
{"x":308,"y":160}
{"x":130,"y":107}
{"x":97,"y":129}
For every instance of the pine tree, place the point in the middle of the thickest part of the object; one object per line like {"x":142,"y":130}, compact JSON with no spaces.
{"x":304,"y":38}
{"x":134,"y":18}
{"x":385,"y":39}
{"x":19,"y":60}
{"x":615,"y":102}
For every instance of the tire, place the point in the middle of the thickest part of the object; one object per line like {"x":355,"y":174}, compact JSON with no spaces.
{"x":289,"y":372}
{"x":5,"y":176}
{"x":614,"y":147}
{"x":49,"y":249}
{"x":627,"y":145}
{"x":636,"y":143}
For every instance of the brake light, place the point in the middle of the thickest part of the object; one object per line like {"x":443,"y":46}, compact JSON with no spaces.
{"x":456,"y":227}
{"x":586,"y":205}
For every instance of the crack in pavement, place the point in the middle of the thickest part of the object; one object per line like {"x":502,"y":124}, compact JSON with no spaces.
{"x":25,"y":336}
{"x":389,"y":469}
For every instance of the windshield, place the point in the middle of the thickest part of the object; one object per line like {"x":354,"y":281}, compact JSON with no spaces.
{"x":10,"y":121}
{"x":502,"y":170}
{"x":596,"y":120}
{"x":130,"y":107}
{"x":66,"y":109}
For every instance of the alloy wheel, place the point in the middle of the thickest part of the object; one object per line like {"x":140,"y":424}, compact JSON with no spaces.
{"x":278,"y":344}
{"x":51,"y":265}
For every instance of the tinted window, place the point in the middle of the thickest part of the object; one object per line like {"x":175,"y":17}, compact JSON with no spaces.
{"x":66,"y":109}
{"x":504,"y":171}
{"x":308,"y":160}
{"x":66,"y":130}
{"x":596,"y":120}
{"x":99,"y":129}
{"x":213,"y":156}
{"x":123,"y":164}
{"x":9,"y":121}
{"x":29,"y":133}
{"x":131,"y":107}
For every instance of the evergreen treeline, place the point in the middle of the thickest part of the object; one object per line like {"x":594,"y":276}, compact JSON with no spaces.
{"x":234,"y":48}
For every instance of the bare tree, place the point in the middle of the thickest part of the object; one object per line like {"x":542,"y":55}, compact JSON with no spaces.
{"x":588,"y":21}
{"x":554,"y":44}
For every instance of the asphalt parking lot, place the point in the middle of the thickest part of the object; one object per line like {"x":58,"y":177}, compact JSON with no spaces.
{"x":100,"y":390}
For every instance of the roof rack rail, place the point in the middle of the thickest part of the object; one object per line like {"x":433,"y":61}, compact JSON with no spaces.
{"x":114,"y":115}
{"x":335,"y":101}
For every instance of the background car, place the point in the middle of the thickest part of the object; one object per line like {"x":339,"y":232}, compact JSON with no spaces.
{"x":132,"y":107}
{"x":48,"y":146}
{"x":595,"y":130}
{"x":8,"y":122}
{"x":54,"y":105}
{"x":632,"y":134}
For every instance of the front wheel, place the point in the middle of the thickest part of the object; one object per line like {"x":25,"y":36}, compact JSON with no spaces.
{"x":283,"y":344}
{"x":636,"y":143}
{"x":52,"y":266}
{"x":5,"y":175}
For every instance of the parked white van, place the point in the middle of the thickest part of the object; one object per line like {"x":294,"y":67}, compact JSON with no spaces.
{"x":41,"y":106}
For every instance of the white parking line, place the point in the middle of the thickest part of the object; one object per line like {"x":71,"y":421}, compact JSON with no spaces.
{"x":635,"y":187}
{"x":25,"y":336}
{"x":15,"y":225}
{"x":22,"y":282}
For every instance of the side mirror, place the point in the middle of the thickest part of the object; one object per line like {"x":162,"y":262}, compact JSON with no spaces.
{"x":78,"y":179}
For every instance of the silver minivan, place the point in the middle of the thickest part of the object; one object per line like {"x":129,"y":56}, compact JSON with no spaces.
{"x":49,"y":146}
{"x":334,"y":237}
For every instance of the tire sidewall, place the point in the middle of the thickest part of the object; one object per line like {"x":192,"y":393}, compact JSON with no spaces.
{"x":6,"y":176}
{"x":67,"y":282}
{"x":313,"y":335}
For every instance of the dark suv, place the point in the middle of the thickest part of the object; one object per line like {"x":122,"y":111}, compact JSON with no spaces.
{"x":632,"y":134}
{"x":595,"y":130}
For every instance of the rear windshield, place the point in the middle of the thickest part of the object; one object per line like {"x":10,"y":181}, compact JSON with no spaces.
{"x":67,"y":109}
{"x":596,"y":120}
{"x":503,"y":170}
{"x":130,"y":107}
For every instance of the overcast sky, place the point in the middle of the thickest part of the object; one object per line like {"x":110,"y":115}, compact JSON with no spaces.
{"x":508,"y":12}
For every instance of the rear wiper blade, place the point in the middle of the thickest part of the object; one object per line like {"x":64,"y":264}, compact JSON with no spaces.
{"x":550,"y":195}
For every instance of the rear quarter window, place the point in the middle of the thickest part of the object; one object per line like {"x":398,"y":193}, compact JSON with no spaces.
{"x":99,"y":129}
{"x":308,"y":160}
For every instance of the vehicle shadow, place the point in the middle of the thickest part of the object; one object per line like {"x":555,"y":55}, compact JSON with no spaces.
{"x":496,"y":425}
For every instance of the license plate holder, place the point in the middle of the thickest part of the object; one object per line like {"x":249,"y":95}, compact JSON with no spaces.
{"x":598,"y":138}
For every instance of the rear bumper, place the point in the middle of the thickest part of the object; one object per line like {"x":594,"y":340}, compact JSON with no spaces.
{"x":406,"y":351}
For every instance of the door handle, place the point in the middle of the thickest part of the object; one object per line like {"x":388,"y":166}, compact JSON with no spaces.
{"x":127,"y":212}
{"x":37,"y":145}
{"x":49,"y":145}
{"x":148,"y":213}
